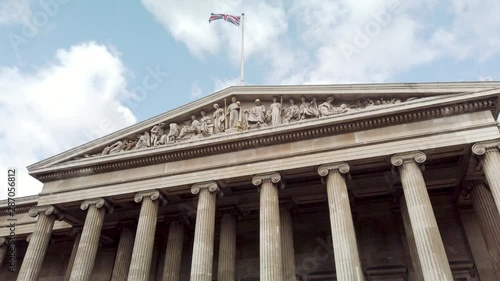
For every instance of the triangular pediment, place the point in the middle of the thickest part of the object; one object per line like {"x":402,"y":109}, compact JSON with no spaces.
{"x":200,"y":123}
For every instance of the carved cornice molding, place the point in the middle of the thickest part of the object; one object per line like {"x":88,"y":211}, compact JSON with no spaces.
{"x":341,"y":167}
{"x":346,"y":126}
{"x":482,"y":147}
{"x":257,"y":180}
{"x":47,"y":211}
{"x":98,"y":203}
{"x":407,"y":157}
{"x":152,"y":194}
{"x":211,"y":186}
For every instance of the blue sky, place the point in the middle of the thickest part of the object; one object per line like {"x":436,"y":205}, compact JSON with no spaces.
{"x":74,"y":70}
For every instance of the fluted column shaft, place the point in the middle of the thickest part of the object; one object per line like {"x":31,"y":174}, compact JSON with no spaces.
{"x":287,"y":247}
{"x":489,"y":221}
{"x":203,"y":245}
{"x":71,"y":261}
{"x":123,"y":255}
{"x":89,"y":240}
{"x":271,"y":259}
{"x":3,"y":250}
{"x":142,"y":253}
{"x":430,"y":248}
{"x":226,"y":270}
{"x":489,"y":154}
{"x":417,"y":269}
{"x":345,"y":248}
{"x":173,"y":254}
{"x":37,"y":247}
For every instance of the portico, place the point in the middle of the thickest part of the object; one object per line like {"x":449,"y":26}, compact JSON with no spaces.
{"x":377,"y":184}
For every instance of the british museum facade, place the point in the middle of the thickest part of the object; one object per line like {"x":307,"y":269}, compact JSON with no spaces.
{"x":275,"y":183}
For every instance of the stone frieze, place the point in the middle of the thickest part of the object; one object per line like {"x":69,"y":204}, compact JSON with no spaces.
{"x":237,"y":117}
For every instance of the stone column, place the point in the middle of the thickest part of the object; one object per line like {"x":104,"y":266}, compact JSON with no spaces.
{"x":345,"y":248}
{"x":287,"y":247}
{"x":77,"y":234}
{"x":173,"y":254}
{"x":489,"y":154}
{"x":203,"y":246}
{"x":431,"y":253}
{"x":271,"y":259}
{"x":123,"y":254}
{"x":488,"y":218}
{"x":89,"y":240}
{"x":37,"y":247}
{"x":3,"y":249}
{"x":145,"y":235}
{"x":417,"y":274}
{"x":226,"y":270}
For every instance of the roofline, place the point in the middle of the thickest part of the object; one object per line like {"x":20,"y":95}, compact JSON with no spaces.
{"x":368,"y":88}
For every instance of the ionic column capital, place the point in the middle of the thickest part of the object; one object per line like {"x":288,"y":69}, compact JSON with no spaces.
{"x":340,"y":167}
{"x":211,"y":186}
{"x":481,"y":148}
{"x":98,"y":203}
{"x":274,"y":177}
{"x":414,"y":156}
{"x":46,"y":210}
{"x":152,"y":194}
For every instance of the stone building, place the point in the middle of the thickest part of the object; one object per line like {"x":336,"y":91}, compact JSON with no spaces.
{"x":276,"y":183}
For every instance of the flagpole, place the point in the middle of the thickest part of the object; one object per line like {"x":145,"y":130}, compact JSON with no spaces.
{"x":242,"y":75}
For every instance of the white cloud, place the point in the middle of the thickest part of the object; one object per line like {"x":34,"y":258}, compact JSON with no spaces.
{"x":72,"y":100}
{"x":338,"y":41}
{"x":14,"y":11}
{"x":196,"y":91}
{"x":220,"y":84}
{"x":474,"y":32}
{"x":187,"y":22}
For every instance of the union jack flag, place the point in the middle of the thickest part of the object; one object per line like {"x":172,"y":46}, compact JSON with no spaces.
{"x":229,"y":18}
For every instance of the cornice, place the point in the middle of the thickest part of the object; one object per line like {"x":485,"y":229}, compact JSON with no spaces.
{"x":289,"y":133}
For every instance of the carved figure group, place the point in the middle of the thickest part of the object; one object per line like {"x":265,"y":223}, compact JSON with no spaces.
{"x":233,"y":119}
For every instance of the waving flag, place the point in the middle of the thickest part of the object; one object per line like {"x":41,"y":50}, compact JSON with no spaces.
{"x":236,"y":21}
{"x":229,"y":18}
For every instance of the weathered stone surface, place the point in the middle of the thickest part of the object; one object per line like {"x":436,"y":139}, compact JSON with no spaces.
{"x":145,"y":235}
{"x":489,"y":153}
{"x":173,"y":254}
{"x":226,"y":270}
{"x":287,"y":246}
{"x":69,"y":267}
{"x":347,"y":262}
{"x":89,"y":240}
{"x":123,"y":255}
{"x":271,"y":260}
{"x":431,"y":253}
{"x":489,"y":220}
{"x":37,"y":247}
{"x":203,"y":247}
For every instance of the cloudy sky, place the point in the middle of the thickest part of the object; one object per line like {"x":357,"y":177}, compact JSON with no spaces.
{"x":74,"y":70}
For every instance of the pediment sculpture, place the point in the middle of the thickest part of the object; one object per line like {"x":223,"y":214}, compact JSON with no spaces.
{"x":233,"y":118}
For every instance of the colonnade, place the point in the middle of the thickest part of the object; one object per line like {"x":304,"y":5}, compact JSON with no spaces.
{"x":134,"y":255}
